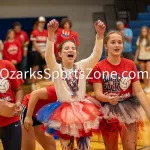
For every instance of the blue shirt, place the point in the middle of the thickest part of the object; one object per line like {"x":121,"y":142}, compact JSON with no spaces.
{"x":127,"y":45}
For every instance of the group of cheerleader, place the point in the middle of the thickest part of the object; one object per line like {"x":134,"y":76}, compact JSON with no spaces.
{"x":65,"y":109}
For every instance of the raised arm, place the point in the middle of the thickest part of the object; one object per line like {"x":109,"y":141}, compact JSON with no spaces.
{"x":41,"y":94}
{"x":91,"y":61}
{"x":50,"y":57}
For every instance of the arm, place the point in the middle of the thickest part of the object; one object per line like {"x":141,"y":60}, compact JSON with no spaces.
{"x":18,"y":94}
{"x":128,"y":39}
{"x":98,"y":90}
{"x":91,"y":61}
{"x":41,"y":94}
{"x":137,"y":54}
{"x":34,"y":97}
{"x":137,"y":89}
{"x":49,"y":55}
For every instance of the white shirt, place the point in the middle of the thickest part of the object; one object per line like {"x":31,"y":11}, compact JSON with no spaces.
{"x":62,"y":89}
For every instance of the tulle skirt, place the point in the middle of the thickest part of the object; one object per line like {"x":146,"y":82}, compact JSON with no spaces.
{"x":73,"y":119}
{"x":116,"y":117}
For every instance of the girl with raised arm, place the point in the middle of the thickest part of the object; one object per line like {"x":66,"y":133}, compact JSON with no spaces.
{"x":73,"y":115}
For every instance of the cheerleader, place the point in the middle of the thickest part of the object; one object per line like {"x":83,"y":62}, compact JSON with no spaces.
{"x":73,"y":115}
{"x":43,"y":96}
{"x":115,"y":79}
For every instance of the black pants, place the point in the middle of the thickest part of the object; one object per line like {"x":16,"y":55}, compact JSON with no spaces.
{"x":11,"y":136}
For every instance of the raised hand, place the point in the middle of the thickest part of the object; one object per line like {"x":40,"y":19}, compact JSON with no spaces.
{"x":52,"y":26}
{"x":100,"y":29}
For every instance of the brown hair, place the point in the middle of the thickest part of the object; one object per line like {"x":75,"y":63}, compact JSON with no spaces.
{"x":17,"y":24}
{"x":64,"y":21}
{"x":147,"y":37}
{"x":62,"y":43}
{"x":8,"y":32}
{"x":112,"y":32}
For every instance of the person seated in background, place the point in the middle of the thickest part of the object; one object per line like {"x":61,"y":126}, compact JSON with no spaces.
{"x":128,"y":35}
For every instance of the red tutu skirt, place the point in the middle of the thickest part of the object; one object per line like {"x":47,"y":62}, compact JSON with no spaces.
{"x":77,"y":118}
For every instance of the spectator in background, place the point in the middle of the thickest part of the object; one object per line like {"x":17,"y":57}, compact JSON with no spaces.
{"x":143,"y":55}
{"x":1,"y":48}
{"x":38,"y":38}
{"x":128,"y":35}
{"x":22,"y":36}
{"x":12,"y":49}
{"x":65,"y":33}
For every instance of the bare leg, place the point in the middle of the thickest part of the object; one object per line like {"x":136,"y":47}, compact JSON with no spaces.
{"x":110,"y":139}
{"x":67,"y":144}
{"x":28,"y":139}
{"x":129,"y":137}
{"x":47,"y":142}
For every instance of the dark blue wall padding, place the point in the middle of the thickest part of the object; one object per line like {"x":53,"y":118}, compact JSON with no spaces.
{"x":27,"y":23}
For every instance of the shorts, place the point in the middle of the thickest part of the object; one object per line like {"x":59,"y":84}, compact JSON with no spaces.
{"x":144,"y":61}
{"x":37,"y":60}
{"x":23,"y":115}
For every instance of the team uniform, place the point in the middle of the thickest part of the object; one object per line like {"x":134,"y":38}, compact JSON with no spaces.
{"x":118,"y":79}
{"x":12,"y":51}
{"x":51,"y":98}
{"x":10,"y":128}
{"x":40,"y":38}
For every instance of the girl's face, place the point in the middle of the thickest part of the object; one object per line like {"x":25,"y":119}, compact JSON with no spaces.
{"x":67,"y":26}
{"x":69,"y":52}
{"x":144,"y":32}
{"x":11,"y":35}
{"x":115,"y":44}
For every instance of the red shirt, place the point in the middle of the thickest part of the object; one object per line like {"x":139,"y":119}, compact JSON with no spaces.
{"x":22,"y":37}
{"x":51,"y":98}
{"x":62,"y":35}
{"x":40,"y":38}
{"x":115,"y":78}
{"x":8,"y":82}
{"x":12,"y":51}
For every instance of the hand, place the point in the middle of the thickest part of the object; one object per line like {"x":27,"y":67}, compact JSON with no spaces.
{"x":14,"y":62}
{"x":28,"y":123}
{"x":52,"y":26}
{"x":100,"y":29}
{"x":113,"y":99}
{"x":18,"y":109}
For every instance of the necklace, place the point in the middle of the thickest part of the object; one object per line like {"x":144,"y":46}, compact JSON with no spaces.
{"x":72,"y":80}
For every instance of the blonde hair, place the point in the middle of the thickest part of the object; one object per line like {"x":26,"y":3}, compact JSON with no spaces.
{"x":147,"y":37}
{"x":8,"y":32}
